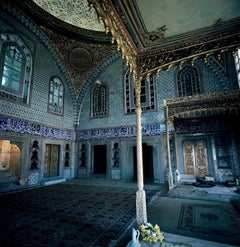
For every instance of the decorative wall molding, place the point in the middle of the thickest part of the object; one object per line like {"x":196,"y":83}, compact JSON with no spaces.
{"x":122,"y":132}
{"x":204,"y":125}
{"x":30,"y":128}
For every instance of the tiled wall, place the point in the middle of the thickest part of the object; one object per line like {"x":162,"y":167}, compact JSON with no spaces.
{"x":19,"y":119}
{"x":46,"y":63}
{"x":112,"y":75}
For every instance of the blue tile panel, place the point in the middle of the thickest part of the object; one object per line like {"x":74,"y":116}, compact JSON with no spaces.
{"x":30,"y":128}
{"x":122,"y":132}
{"x":47,"y":63}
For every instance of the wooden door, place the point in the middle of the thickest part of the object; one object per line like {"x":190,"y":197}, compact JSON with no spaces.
{"x":195,"y":158}
{"x":51,"y":160}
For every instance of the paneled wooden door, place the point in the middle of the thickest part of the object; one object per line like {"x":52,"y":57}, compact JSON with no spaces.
{"x":51,"y":168}
{"x":195,"y":158}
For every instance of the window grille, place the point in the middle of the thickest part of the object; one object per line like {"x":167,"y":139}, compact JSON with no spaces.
{"x":147,"y":94}
{"x":55,"y":104}
{"x":15,"y":69}
{"x":99,"y":101}
{"x":188,"y":81}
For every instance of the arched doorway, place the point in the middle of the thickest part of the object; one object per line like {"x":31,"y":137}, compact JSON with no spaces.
{"x":10,"y":161}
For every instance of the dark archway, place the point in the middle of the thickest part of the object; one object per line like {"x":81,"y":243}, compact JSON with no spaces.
{"x":147,"y":163}
{"x":100,"y":159}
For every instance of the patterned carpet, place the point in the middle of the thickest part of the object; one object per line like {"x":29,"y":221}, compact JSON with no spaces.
{"x":66,"y":215}
{"x":216,"y":219}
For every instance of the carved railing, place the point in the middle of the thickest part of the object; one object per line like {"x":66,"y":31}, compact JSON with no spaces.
{"x":203,"y":105}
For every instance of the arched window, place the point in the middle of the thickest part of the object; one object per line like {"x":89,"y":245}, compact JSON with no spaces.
{"x":55,"y":103}
{"x":12,"y":67}
{"x":99,"y":101}
{"x":188,"y":81}
{"x":147,"y":95}
{"x":15,"y":68}
{"x":237,"y":63}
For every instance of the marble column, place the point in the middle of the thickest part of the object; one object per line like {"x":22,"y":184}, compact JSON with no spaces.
{"x":141,"y":209}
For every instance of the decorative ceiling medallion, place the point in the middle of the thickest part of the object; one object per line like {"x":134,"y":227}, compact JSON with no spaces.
{"x":80,"y":58}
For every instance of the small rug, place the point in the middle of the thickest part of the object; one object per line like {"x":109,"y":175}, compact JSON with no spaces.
{"x":210,"y":219}
{"x":66,"y":215}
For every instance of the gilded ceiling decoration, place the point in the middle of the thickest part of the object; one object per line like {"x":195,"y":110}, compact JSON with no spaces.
{"x":80,"y":57}
{"x":74,"y":12}
{"x":153,"y":38}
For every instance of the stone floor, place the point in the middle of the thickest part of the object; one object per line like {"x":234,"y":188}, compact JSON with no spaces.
{"x":216,"y":222}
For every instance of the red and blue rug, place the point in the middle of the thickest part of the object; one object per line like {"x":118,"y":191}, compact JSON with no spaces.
{"x":66,"y":215}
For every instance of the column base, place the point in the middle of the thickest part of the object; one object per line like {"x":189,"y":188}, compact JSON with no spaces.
{"x":141,"y":209}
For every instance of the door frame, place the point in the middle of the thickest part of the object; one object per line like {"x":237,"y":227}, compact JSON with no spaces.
{"x":108,"y":157}
{"x":194,"y":144}
{"x":210,"y":152}
{"x":145,"y":147}
{"x":42,"y":157}
{"x":93,"y":158}
{"x":59,"y":160}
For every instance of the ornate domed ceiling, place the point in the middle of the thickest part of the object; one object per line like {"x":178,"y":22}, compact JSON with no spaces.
{"x":171,"y":17}
{"x":71,"y":18}
{"x":74,"y":12}
{"x":151,"y":34}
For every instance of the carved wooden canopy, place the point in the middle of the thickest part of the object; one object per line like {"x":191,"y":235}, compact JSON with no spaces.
{"x":203,"y":105}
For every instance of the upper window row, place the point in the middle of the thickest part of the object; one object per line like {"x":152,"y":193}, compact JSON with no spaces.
{"x":15,"y":74}
{"x":16,"y":68}
{"x":187,"y":83}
